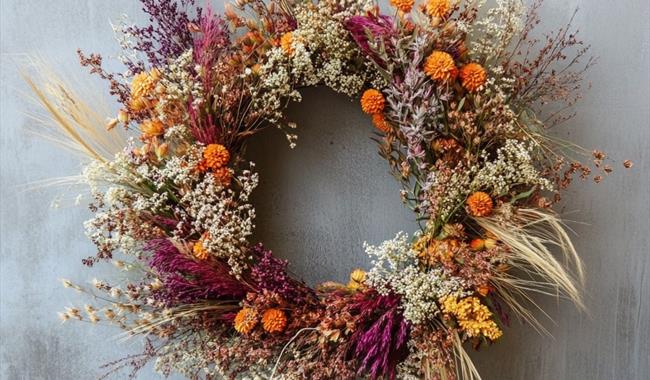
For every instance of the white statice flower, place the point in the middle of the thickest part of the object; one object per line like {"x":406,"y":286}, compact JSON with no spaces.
{"x":395,"y":269}
{"x":176,"y":132}
{"x":181,"y":170}
{"x":155,"y":203}
{"x":329,"y":58}
{"x":224,"y":215}
{"x":179,"y":83}
{"x":493,"y":33}
{"x":447,"y":191}
{"x":512,"y":166}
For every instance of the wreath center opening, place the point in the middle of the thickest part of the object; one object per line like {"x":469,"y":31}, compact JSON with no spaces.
{"x":317,"y":203}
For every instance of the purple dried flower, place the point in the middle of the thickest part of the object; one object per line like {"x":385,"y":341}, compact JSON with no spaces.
{"x":168,"y":36}
{"x":187,"y":280}
{"x":270,"y":273}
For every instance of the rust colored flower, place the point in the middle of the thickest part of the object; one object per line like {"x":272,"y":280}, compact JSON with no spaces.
{"x":479,"y":204}
{"x":285,"y":43}
{"x":439,"y":251}
{"x":216,"y":156}
{"x":403,"y":5}
{"x":483,"y":290}
{"x":152,"y":128}
{"x":438,"y":8}
{"x":372,"y":102}
{"x":472,"y":76}
{"x":440,"y":67}
{"x":274,"y":320}
{"x":380,"y":123}
{"x":223,"y":175}
{"x":246,"y":320}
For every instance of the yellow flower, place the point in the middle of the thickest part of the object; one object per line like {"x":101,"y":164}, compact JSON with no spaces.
{"x":440,"y":67}
{"x":380,"y":123}
{"x":143,"y":87}
{"x":473,"y":317}
{"x":403,"y":5}
{"x":246,"y":320}
{"x":216,"y":156}
{"x":286,"y":42}
{"x":438,"y":8}
{"x":274,"y":320}
{"x":199,"y":251}
{"x":472,"y":76}
{"x":152,"y":128}
{"x":479,"y":204}
{"x":357,"y":279}
{"x":372,"y":102}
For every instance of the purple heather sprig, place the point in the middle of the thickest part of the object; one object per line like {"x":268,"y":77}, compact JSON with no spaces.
{"x":270,"y":273}
{"x":168,"y":35}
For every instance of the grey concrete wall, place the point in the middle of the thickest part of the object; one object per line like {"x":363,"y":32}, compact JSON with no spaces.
{"x":318,"y":203}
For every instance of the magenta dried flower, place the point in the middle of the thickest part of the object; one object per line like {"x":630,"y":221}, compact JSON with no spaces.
{"x":370,"y":32}
{"x":188,"y":280}
{"x":380,"y":343}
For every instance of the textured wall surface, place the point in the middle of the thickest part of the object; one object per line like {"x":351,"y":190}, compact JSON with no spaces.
{"x":319,"y":202}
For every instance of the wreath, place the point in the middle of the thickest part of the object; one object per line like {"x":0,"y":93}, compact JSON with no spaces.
{"x":461,"y":99}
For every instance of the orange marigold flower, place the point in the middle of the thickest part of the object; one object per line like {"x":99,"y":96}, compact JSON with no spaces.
{"x":472,"y":76}
{"x":438,"y":8}
{"x":477,"y":244}
{"x":216,"y":156}
{"x":285,"y":43}
{"x":274,"y":320}
{"x":152,"y":128}
{"x":479,"y":204}
{"x":403,"y":5}
{"x":223,"y":175}
{"x":440,"y":66}
{"x":372,"y":101}
{"x":380,"y":122}
{"x":246,"y":320}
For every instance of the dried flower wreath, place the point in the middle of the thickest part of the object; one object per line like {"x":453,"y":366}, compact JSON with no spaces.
{"x":456,"y":96}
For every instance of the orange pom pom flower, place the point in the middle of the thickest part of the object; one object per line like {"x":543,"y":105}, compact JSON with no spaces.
{"x":372,"y":102}
{"x":403,"y":5}
{"x":472,"y":77}
{"x":440,"y":67}
{"x":274,"y":320}
{"x":246,"y":320}
{"x":438,"y":8}
{"x":216,"y":156}
{"x":380,"y":123}
{"x":479,"y":204}
{"x":223,"y":175}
